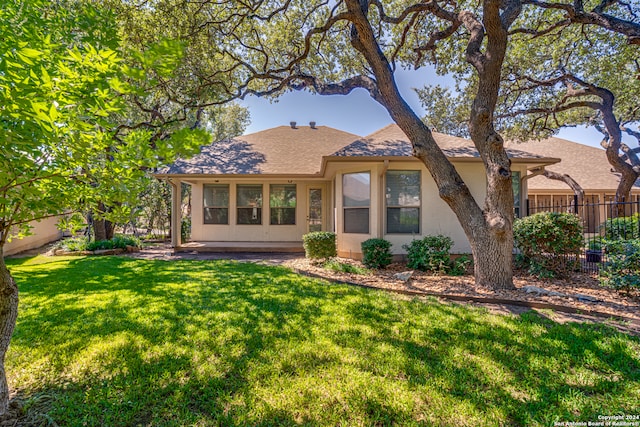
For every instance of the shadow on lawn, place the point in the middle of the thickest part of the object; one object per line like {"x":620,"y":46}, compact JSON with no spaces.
{"x":130,"y":342}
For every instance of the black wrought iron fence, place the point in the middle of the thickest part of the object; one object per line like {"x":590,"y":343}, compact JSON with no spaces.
{"x":602,"y":222}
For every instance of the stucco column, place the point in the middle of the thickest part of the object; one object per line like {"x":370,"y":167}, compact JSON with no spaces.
{"x":176,"y":213}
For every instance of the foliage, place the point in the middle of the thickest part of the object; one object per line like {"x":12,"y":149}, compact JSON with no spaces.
{"x":287,"y":348}
{"x":550,"y":242}
{"x":334,"y":264}
{"x":185,"y":229}
{"x":430,"y":254}
{"x":74,"y":244}
{"x":595,"y":244}
{"x":319,"y":245}
{"x":376,"y":253}
{"x":622,"y":269}
{"x":459,"y":265}
{"x":117,"y":242}
{"x":624,"y":227}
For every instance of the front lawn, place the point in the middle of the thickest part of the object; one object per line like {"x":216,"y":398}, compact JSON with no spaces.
{"x":117,"y":341}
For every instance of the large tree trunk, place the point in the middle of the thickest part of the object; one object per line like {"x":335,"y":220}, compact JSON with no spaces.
{"x":8,"y":316}
{"x":488,"y":230}
{"x":102,"y":229}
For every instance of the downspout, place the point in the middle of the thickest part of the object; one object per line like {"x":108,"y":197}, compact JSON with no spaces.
{"x":381,"y":199}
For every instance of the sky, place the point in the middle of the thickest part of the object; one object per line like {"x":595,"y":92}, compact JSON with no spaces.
{"x":357,"y":112}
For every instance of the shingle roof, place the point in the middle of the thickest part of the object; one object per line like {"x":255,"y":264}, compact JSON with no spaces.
{"x":391,"y":141}
{"x":280,"y":150}
{"x":587,"y":165}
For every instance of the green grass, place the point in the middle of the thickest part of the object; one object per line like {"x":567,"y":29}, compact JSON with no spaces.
{"x":116,"y":341}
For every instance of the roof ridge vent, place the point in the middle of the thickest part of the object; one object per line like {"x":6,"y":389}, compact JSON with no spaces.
{"x":312,"y":125}
{"x":293,"y":125}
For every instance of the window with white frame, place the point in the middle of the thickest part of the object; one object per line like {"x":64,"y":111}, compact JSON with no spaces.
{"x":403,"y":202}
{"x":216,"y":203}
{"x":282,"y":204}
{"x":249,"y":203}
{"x":356,"y":199}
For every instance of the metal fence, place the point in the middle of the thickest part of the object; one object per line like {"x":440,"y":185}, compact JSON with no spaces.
{"x":609,"y":220}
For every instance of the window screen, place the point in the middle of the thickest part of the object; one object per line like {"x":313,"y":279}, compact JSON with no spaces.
{"x":356,"y":195}
{"x":403,"y":202}
{"x":216,"y":204}
{"x":282,"y":204}
{"x":249,"y":204}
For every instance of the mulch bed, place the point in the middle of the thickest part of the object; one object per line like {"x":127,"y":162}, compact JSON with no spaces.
{"x":608,"y":302}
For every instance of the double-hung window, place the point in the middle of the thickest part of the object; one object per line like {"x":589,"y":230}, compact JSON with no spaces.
{"x":403,"y":202}
{"x":249,"y":203}
{"x":216,"y":204}
{"x":356,"y":199}
{"x":282,"y":204}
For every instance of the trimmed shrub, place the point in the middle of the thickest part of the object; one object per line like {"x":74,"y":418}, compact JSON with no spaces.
{"x":622,"y":228}
{"x":319,"y":244}
{"x":430,"y":254}
{"x":376,"y":253}
{"x":622,"y":269}
{"x":550,"y":242}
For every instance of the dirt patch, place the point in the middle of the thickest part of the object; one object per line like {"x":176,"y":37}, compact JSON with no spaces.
{"x":582,"y":294}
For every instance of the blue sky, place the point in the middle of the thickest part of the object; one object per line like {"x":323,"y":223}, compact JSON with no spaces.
{"x":357,"y":112}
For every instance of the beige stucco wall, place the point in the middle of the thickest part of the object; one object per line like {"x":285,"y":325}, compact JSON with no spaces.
{"x":435,"y":215}
{"x":264,"y":232}
{"x":44,"y":231}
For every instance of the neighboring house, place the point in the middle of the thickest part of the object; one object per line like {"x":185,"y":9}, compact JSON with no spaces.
{"x":267,"y":189}
{"x":43,"y":232}
{"x":588,"y":166}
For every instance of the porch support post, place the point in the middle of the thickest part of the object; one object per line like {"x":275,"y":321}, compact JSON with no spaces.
{"x":176,"y":213}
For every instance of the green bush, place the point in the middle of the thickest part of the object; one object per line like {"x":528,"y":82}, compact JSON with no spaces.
{"x":622,"y":228}
{"x":550,"y":242}
{"x":622,"y":269}
{"x":459,"y":266}
{"x":319,"y":244}
{"x":430,"y":254}
{"x":74,"y":244}
{"x":344,"y":267}
{"x":376,"y":253}
{"x":118,"y":242}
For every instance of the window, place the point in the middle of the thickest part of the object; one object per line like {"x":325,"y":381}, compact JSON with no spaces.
{"x":515,"y":182}
{"x":356,"y":200}
{"x":282,"y":204}
{"x":216,"y":204}
{"x":249,"y":204}
{"x":403,"y":202}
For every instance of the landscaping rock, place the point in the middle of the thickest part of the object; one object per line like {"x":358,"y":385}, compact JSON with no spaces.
{"x":62,"y":252}
{"x":404,"y":276}
{"x":132,"y":249}
{"x":541,"y":291}
{"x":587,"y":298}
{"x":108,"y":251}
